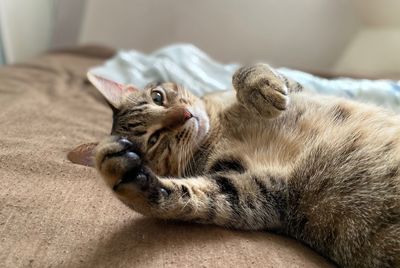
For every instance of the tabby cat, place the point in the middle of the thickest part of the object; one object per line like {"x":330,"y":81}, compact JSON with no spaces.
{"x":323,"y":170}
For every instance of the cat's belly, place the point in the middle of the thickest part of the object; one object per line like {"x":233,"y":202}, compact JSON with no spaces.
{"x":262,"y":153}
{"x":310,"y":121}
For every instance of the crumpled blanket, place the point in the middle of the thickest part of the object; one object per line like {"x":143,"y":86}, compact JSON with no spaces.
{"x":191,"y":67}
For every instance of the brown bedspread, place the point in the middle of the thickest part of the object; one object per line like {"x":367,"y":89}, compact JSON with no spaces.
{"x":55,"y":213}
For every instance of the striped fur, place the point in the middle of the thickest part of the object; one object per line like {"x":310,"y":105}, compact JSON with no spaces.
{"x":323,"y":170}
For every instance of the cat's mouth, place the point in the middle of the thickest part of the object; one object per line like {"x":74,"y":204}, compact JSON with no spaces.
{"x":200,"y":124}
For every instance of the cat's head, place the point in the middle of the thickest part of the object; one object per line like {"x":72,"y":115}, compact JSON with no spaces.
{"x":165,"y":120}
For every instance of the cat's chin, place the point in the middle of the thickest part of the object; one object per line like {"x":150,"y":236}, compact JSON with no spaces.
{"x":201,"y":124}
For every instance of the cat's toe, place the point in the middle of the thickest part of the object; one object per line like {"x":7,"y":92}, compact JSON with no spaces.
{"x":124,"y":142}
{"x":136,"y":176}
{"x":140,"y":189}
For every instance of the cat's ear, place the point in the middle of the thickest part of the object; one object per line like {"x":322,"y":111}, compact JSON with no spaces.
{"x":83,"y":154}
{"x":114,"y":92}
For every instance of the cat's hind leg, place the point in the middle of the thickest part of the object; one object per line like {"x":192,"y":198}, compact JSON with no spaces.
{"x":262,"y":89}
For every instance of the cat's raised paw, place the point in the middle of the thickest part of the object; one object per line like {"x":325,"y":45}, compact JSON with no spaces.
{"x":261,"y":87}
{"x":117,"y":156}
{"x":120,"y":163}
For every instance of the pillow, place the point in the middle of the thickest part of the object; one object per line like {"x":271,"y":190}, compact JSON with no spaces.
{"x":187,"y":65}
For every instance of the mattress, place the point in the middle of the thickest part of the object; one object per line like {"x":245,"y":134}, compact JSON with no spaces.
{"x":54,"y":213}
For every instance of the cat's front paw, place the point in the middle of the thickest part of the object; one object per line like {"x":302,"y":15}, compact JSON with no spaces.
{"x":116,"y":156}
{"x":259,"y":86}
{"x":120,"y":163}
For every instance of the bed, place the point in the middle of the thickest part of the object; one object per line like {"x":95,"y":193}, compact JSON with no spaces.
{"x":54,"y":213}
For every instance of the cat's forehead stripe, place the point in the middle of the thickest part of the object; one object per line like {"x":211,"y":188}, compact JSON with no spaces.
{"x":135,"y":124}
{"x":139,"y":133}
{"x":131,"y":111}
{"x":142,"y":103}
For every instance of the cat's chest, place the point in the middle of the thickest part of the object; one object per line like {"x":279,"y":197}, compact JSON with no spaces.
{"x":255,"y":146}
{"x":261,"y":143}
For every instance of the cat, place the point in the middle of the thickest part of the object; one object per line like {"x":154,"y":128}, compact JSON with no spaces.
{"x":323,"y":170}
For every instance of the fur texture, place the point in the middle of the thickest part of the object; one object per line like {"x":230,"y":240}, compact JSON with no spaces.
{"x":323,"y":170}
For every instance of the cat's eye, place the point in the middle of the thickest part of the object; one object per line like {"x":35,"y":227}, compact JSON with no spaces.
{"x":157,"y":97}
{"x":153,"y":138}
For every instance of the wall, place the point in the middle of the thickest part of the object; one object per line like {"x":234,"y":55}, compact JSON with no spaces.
{"x":374,"y":50}
{"x":68,"y":15}
{"x":382,"y":13}
{"x":2,"y":58}
{"x":26,"y":27}
{"x":308,"y":34}
{"x":358,"y":36}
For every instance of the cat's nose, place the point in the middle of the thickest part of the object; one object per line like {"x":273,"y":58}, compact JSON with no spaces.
{"x":176,"y":117}
{"x":187,"y":115}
